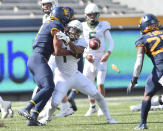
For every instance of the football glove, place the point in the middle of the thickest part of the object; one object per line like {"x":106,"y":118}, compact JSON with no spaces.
{"x":64,"y":37}
{"x":132,"y":84}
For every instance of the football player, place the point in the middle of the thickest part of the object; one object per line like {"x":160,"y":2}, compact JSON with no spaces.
{"x":67,"y":72}
{"x":156,"y":104}
{"x":74,"y":92}
{"x":43,"y":46}
{"x":5,"y":108}
{"x":47,"y":6}
{"x":151,"y":44}
{"x":96,"y":60}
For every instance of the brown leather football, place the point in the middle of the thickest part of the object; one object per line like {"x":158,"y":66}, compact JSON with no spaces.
{"x":94,"y":43}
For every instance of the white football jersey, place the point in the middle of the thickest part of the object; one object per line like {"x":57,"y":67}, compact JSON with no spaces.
{"x":45,"y":18}
{"x":97,"y":32}
{"x":68,"y":64}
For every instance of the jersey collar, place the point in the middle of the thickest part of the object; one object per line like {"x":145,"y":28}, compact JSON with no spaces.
{"x":93,"y":26}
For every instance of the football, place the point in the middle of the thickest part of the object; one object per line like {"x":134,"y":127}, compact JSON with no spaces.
{"x":94,"y":43}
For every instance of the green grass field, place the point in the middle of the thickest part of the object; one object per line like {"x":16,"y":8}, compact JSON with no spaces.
{"x":119,"y":109}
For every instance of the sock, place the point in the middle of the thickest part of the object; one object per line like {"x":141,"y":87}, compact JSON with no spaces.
{"x":93,"y":105}
{"x":29,"y":106}
{"x":65,"y":105}
{"x":103,"y":105}
{"x":35,"y":114}
{"x":72,"y":95}
{"x":146,"y":105}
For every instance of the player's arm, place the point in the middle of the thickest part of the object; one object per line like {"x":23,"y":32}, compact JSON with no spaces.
{"x":137,"y":68}
{"x":108,"y":37}
{"x":77,"y":51}
{"x":139,"y":63}
{"x":57,"y":44}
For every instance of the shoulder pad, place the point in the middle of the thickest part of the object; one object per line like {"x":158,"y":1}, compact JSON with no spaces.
{"x":105,"y":25}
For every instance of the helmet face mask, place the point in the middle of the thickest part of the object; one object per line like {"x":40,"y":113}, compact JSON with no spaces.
{"x":148,"y":23}
{"x":92,"y":18}
{"x":73,"y":33}
{"x":47,"y":8}
{"x":48,"y":5}
{"x":74,"y":30}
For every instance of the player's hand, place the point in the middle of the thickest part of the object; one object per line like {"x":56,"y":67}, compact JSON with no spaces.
{"x":63,"y":36}
{"x":90,"y":58}
{"x":132,"y":84}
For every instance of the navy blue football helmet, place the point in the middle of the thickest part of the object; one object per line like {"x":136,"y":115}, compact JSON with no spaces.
{"x":61,"y":14}
{"x":148,"y":23}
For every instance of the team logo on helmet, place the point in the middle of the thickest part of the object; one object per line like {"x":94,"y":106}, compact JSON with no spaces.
{"x":65,"y":11}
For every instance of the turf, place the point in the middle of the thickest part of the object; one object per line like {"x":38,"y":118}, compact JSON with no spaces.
{"x":119,"y":110}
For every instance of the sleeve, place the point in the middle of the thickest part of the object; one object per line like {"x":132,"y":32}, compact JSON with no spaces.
{"x":140,"y":43}
{"x":56,"y":26}
{"x":106,"y":25}
{"x":81,"y":42}
{"x":108,"y":37}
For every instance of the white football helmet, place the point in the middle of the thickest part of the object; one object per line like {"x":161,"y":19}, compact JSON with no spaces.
{"x":53,"y":3}
{"x":74,"y":29}
{"x":91,"y":9}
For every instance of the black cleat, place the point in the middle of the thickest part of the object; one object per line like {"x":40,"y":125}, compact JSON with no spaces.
{"x":34,"y":123}
{"x":25,"y":113}
{"x":141,"y":127}
{"x":73,"y":105}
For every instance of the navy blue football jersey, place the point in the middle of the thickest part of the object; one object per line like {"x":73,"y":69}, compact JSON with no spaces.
{"x":44,"y":37}
{"x":153,"y":45}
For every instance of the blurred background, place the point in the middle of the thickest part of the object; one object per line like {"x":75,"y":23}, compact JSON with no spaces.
{"x":20,"y":21}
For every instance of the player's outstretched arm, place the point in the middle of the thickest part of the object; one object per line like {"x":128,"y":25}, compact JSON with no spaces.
{"x":137,"y":68}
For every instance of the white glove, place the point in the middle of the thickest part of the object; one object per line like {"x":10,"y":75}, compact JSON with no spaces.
{"x":63,"y":36}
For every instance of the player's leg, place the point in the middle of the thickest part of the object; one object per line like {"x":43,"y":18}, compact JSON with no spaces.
{"x":151,"y":87}
{"x":101,"y":74}
{"x":71,"y":98}
{"x":90,"y":72}
{"x":52,"y":65}
{"x":66,"y":109}
{"x":146,"y":105}
{"x":43,"y":77}
{"x":43,"y":113}
{"x":5,"y":107}
{"x":35,"y":91}
{"x":156,"y":103}
{"x":59,"y":93}
{"x":74,"y":92}
{"x":88,"y":88}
